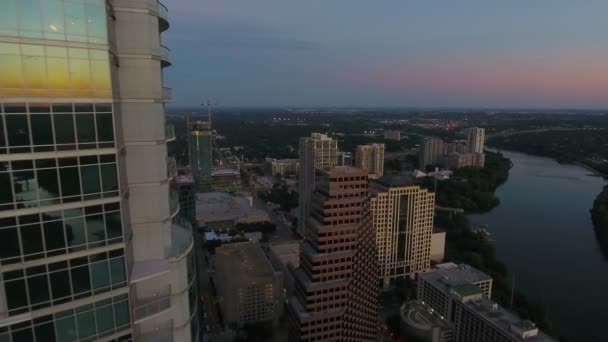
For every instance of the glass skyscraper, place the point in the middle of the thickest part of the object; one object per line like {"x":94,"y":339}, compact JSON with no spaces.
{"x":91,"y":243}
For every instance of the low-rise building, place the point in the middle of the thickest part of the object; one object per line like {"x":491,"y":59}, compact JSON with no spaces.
{"x":249,"y":289}
{"x":219,"y":211}
{"x":392,"y":135}
{"x":460,"y":294}
{"x":436,"y":286}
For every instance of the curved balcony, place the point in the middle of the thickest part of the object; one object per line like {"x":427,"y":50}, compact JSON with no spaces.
{"x":181,"y":239}
{"x":169,"y":132}
{"x":167,"y":94}
{"x":174,"y":203}
{"x":171,"y":167}
{"x":165,"y":56}
{"x":151,"y":306}
{"x":163,"y":332}
{"x":163,"y":17}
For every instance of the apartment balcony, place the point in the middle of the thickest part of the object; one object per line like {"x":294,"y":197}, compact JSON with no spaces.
{"x":165,"y":56}
{"x":171,"y":167}
{"x":167,"y":94}
{"x":174,"y":203}
{"x":163,"y":17}
{"x":151,"y":306}
{"x":181,"y":239}
{"x":169,"y":132}
{"x":161,"y":333}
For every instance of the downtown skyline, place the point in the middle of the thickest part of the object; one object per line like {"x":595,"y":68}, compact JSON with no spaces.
{"x":549,"y":54}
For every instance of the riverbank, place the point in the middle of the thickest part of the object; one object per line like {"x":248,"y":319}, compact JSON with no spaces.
{"x":599,"y":217}
{"x":475,"y":191}
{"x":472,"y":189}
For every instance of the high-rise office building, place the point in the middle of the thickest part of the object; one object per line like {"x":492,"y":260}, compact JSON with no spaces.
{"x":336,"y":285}
{"x":316,"y":152}
{"x":431,"y":152}
{"x":201,"y":159}
{"x":371,"y":159}
{"x":476,"y":139}
{"x":402,"y":215}
{"x":90,"y":248}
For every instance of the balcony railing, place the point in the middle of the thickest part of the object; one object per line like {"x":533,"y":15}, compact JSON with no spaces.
{"x":163,"y":17}
{"x":169,"y":132}
{"x":153,"y":305}
{"x":181,"y":238}
{"x":161,"y":333}
{"x":174,"y":202}
{"x":171,"y":167}
{"x":165,"y":56}
{"x":167,"y":94}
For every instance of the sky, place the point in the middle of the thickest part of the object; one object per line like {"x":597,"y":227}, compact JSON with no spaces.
{"x":396,"y":53}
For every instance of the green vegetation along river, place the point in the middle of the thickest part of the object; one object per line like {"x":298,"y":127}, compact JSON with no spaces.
{"x":543,"y":233}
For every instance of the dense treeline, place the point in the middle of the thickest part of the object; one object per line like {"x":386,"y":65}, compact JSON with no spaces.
{"x":588,"y":147}
{"x":599,"y":216}
{"x":472,"y":189}
{"x":281,"y":195}
{"x":465,"y":246}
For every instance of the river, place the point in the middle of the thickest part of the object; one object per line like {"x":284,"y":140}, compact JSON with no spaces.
{"x":543,"y":232}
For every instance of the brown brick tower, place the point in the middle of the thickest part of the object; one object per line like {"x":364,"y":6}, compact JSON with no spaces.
{"x":336,"y":286}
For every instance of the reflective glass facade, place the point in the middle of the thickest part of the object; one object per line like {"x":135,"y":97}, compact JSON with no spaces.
{"x":50,"y":71}
{"x":84,"y":323}
{"x":73,"y":20}
{"x":61,"y":228}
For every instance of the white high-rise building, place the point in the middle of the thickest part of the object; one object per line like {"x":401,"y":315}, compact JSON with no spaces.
{"x":371,"y":159}
{"x":476,"y":139}
{"x":402,"y":215}
{"x":90,"y":244}
{"x":316,"y":152}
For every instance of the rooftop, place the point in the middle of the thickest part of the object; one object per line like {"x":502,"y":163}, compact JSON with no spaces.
{"x":351,"y":170}
{"x":221,"y":206}
{"x":452,"y":275}
{"x":395,"y":180}
{"x":508,"y":322}
{"x":245,"y":259}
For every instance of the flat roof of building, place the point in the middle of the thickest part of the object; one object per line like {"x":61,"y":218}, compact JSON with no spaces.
{"x":508,"y":322}
{"x":246,"y":261}
{"x":221,"y":206}
{"x":351,"y":170}
{"x":395,"y":180}
{"x":452,"y":275}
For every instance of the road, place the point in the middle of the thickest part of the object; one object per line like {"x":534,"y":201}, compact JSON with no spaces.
{"x":284,"y":231}
{"x":210,"y":307}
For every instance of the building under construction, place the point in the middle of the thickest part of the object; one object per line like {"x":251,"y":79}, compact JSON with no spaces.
{"x":200,"y":154}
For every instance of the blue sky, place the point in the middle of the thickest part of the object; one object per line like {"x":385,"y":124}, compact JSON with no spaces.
{"x":467,"y":53}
